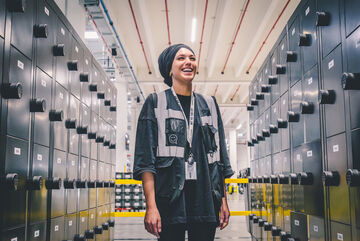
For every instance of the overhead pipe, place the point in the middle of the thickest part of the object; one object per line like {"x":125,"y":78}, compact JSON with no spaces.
{"x":121,"y":46}
{"x":138,"y":32}
{"x":167,"y":22}
{"x":263,"y":43}
{"x":217,"y":86}
{"x":202,"y":35}
{"x":237,"y":31}
{"x":237,"y":89}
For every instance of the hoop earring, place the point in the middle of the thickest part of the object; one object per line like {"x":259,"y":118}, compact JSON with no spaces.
{"x":170,"y":74}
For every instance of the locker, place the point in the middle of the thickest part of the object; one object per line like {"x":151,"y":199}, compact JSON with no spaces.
{"x":61,"y":52}
{"x":352,"y":19}
{"x":299,"y":226}
{"x":298,"y":190}
{"x":101,"y":179}
{"x":261,"y":101}
{"x":73,"y":122}
{"x":337,"y":162}
{"x":57,"y":228}
{"x":354,"y":191}
{"x":2,"y":18}
{"x":37,"y":232}
{"x":112,"y":147}
{"x":61,"y":105}
{"x":260,"y":138}
{"x":309,"y":107}
{"x":83,"y":130}
{"x":42,"y":104}
{"x":93,"y":88}
{"x":293,"y":57}
{"x":2,"y":54}
{"x":308,"y":37}
{"x":266,"y":74}
{"x":285,"y":188}
{"x":316,"y":228}
{"x":83,"y":222}
{"x":285,"y":136}
{"x":266,"y":132}
{"x":340,"y":232}
{"x":70,"y":226}
{"x":92,"y":177}
{"x":328,"y":20}
{"x":14,"y":234}
{"x":38,"y":193}
{"x":58,"y":195}
{"x":22,"y":27}
{"x":107,"y":101}
{"x":332,"y":97}
{"x":94,"y":134}
{"x":113,"y":105}
{"x":85,"y":79}
{"x":19,"y":89}
{"x":84,"y":177}
{"x":91,"y":218}
{"x":282,"y":68}
{"x":101,"y":95}
{"x":102,"y":138}
{"x":75,"y":67}
{"x":44,"y":37}
{"x":352,"y":54}
{"x":296,"y":120}
{"x":16,"y":162}
{"x":275,"y":88}
{"x":72,"y":167}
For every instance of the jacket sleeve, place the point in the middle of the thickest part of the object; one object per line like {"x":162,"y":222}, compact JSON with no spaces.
{"x":146,"y":140}
{"x":224,"y":158}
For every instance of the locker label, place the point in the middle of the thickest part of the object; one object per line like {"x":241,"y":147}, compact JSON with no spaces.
{"x":298,"y":157}
{"x":293,"y":32}
{"x":276,"y":161}
{"x":58,"y":161}
{"x":92,"y":216}
{"x":85,"y":112}
{"x":39,"y":157}
{"x":295,"y":93}
{"x":76,"y":49}
{"x":274,"y":110}
{"x":316,"y":228}
{"x":117,"y":190}
{"x":100,"y":213}
{"x":310,"y":80}
{"x":109,"y":90}
{"x":70,"y":223}
{"x":309,"y":153}
{"x":61,"y":95}
{"x":266,"y":70}
{"x":43,"y":83}
{"x":277,"y":214}
{"x":17,"y":151}
{"x":36,"y":233}
{"x":267,"y":116}
{"x":331,"y":64}
{"x":20,"y":64}
{"x":297,"y":222}
{"x":273,"y":60}
{"x":56,"y":228}
{"x":95,"y":73}
{"x":82,"y":219}
{"x":254,"y":87}
{"x":86,"y":62}
{"x":72,"y":163}
{"x":357,"y":44}
{"x":287,"y":218}
{"x":93,"y":167}
{"x":335,"y":148}
{"x":47,"y":12}
{"x":127,"y":190}
{"x":84,"y":165}
{"x":284,"y":102}
{"x":307,"y":11}
{"x":62,"y":31}
{"x":14,"y":239}
{"x":282,"y":47}
{"x":117,"y":204}
{"x":340,"y":236}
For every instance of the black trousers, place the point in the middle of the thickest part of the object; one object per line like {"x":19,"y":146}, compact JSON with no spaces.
{"x":196,"y":232}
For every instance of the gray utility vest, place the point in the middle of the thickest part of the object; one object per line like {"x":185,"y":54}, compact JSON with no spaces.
{"x":172,"y":139}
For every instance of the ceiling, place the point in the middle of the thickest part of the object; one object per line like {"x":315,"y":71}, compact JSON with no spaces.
{"x":226,"y":22}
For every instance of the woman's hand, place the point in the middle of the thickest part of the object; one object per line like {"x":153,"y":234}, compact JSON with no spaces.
{"x":153,"y":221}
{"x":224,"y":214}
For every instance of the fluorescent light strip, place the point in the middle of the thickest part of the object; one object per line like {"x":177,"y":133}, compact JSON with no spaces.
{"x":193,"y":30}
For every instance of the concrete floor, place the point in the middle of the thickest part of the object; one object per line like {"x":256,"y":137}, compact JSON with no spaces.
{"x":127,"y":229}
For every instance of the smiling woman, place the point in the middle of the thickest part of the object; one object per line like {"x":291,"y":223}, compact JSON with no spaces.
{"x":180,"y":155}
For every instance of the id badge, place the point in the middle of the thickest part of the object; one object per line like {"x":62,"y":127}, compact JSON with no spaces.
{"x":190,"y":169}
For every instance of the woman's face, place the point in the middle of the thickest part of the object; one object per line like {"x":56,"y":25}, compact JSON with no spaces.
{"x":184,"y":66}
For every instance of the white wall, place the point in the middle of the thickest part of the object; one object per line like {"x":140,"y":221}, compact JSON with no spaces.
{"x":233,"y":150}
{"x":242,"y":156}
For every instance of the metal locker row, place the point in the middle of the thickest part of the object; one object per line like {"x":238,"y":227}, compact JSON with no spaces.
{"x":58,"y":129}
{"x":308,"y":86}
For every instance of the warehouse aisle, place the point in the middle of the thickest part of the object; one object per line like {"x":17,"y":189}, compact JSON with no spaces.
{"x":127,"y":229}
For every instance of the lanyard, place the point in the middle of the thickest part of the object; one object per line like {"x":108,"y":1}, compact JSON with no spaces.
{"x":190,"y":125}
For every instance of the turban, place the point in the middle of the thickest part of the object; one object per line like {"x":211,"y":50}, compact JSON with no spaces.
{"x":166,"y":60}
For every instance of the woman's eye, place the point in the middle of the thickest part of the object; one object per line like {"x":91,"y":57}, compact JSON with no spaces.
{"x":193,"y":59}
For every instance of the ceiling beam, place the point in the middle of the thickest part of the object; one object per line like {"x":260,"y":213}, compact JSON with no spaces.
{"x":201,"y":82}
{"x":148,"y":35}
{"x":255,"y":40}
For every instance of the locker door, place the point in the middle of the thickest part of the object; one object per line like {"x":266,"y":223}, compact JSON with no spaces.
{"x":75,"y":67}
{"x":340,"y":232}
{"x":2,"y":18}
{"x":18,"y":104}
{"x":267,"y":114}
{"x":40,"y":106}
{"x":113,"y":105}
{"x":101,"y":178}
{"x":58,"y":195}
{"x":85,"y":128}
{"x":37,"y":232}
{"x":282,"y":69}
{"x":61,"y":105}
{"x":61,"y":51}
{"x":352,"y":19}
{"x":275,"y":88}
{"x":298,"y":190}
{"x":274,"y":130}
{"x":44,"y":37}
{"x":14,"y":234}
{"x":293,"y":55}
{"x":266,"y":74}
{"x":95,"y":135}
{"x":74,"y":120}
{"x":22,"y":27}
{"x":84,"y":178}
{"x":93,"y":178}
{"x":316,"y":228}
{"x":296,"y":120}
{"x":85,"y":79}
{"x":72,"y":167}
{"x":299,"y":226}
{"x":70,"y":226}
{"x":57,"y":228}
{"x":94,"y":87}
{"x":284,"y":132}
{"x":83,"y":222}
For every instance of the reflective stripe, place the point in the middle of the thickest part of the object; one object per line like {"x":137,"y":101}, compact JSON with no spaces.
{"x":162,"y":113}
{"x":213,"y":157}
{"x":206,"y":120}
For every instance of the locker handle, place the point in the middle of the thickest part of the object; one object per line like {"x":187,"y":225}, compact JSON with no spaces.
{"x":273,"y":179}
{"x":11,"y":91}
{"x":251,"y":216}
{"x":93,"y":87}
{"x":99,"y":184}
{"x":56,"y":115}
{"x":249,"y":143}
{"x":259,"y":179}
{"x":81,"y":184}
{"x":113,"y":108}
{"x":58,"y":50}
{"x":275,"y":231}
{"x":72,"y":65}
{"x":255,"y":219}
{"x":84,"y":77}
{"x":304,"y":40}
{"x":273,"y":129}
{"x":101,"y":95}
{"x":260,"y":137}
{"x":34,"y":183}
{"x":267,"y":226}
{"x":293,"y":117}
{"x":305,"y":178}
{"x":111,"y":223}
{"x":12,"y":182}
{"x":250,"y":180}
{"x":106,"y":143}
{"x":327,"y":97}
{"x":280,"y":69}
{"x":69,"y":183}
{"x":53,"y":183}
{"x":112,"y":184}
{"x":40,"y":31}
{"x":261,"y":222}
{"x":70,"y":123}
{"x":254,"y":102}
{"x":282,"y":124}
{"x":272,"y":80}
{"x":105,"y":226}
{"x":99,"y":139}
{"x":16,"y":6}
{"x":259,"y":96}
{"x":353,"y":177}
{"x":291,"y":56}
{"x":107,"y":102}
{"x":89,"y":234}
{"x":282,"y":179}
{"x":293,"y":179}
{"x":254,"y":141}
{"x":285,"y":235}
{"x":98,"y":230}
{"x":265,"y":133}
{"x":79,"y":237}
{"x":91,"y":184}
{"x":265,"y":88}
{"x":249,"y":107}
{"x":307,"y":107}
{"x":106,"y":184}
{"x":331,"y":178}
{"x":81,"y":130}
{"x":92,"y":135}
{"x":37,"y":105}
{"x":322,"y":19}
{"x":350,"y":81}
{"x":266,"y":179}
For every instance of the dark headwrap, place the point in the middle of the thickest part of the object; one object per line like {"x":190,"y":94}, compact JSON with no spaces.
{"x":166,"y":60}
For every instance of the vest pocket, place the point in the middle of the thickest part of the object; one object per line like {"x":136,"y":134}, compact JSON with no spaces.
{"x":208,"y":132}
{"x":175,"y":132}
{"x":164,"y":177}
{"x":217,"y":181}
